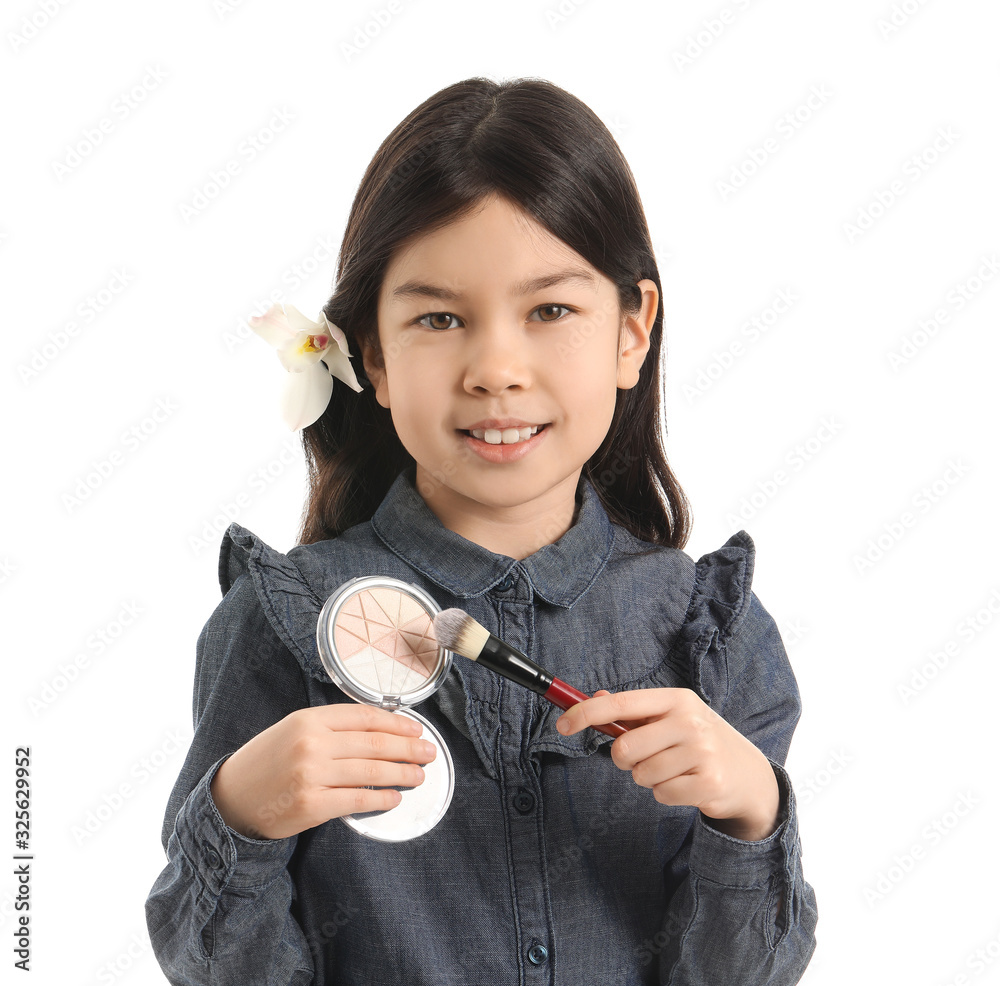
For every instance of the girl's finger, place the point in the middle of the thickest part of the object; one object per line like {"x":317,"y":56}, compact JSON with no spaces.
{"x":338,"y":801}
{"x":374,"y":773}
{"x":370,"y":746}
{"x":665,"y":766}
{"x":354,"y":716}
{"x":685,"y":789}
{"x":624,"y":706}
{"x":644,"y":740}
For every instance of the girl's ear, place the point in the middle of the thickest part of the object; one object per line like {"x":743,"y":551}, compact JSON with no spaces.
{"x":374,"y":365}
{"x":635,"y":336}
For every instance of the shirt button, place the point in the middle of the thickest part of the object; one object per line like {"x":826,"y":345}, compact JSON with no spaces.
{"x":537,"y":954}
{"x":212,"y":857}
{"x":506,"y":584}
{"x":524,"y":801}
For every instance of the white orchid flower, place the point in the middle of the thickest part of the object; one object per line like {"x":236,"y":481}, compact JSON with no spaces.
{"x":313,"y":353}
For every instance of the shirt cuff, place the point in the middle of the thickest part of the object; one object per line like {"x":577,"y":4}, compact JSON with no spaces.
{"x":734,"y":862}
{"x":222,"y":857}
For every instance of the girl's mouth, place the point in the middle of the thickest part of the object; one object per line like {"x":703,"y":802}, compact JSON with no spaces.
{"x":510,"y":447}
{"x":506,"y":436}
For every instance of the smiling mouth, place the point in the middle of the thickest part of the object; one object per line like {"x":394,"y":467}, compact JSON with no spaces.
{"x":505,"y":436}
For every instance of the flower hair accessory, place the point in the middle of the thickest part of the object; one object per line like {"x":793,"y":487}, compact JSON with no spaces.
{"x":313,"y":353}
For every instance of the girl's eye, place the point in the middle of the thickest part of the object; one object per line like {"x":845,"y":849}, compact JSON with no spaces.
{"x":550,"y":307}
{"x":448,"y":315}
{"x":420,"y":321}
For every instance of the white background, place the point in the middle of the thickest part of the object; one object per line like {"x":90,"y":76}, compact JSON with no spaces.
{"x":897,"y":791}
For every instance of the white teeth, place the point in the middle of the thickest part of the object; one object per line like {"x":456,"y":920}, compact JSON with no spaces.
{"x":509,"y":436}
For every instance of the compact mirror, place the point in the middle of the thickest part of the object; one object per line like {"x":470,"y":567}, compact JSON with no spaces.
{"x":376,"y":640}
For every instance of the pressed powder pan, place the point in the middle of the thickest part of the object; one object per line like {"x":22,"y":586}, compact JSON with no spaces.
{"x":376,"y":640}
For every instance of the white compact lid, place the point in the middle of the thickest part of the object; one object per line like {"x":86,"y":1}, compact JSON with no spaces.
{"x":423,"y":806}
{"x":376,"y":640}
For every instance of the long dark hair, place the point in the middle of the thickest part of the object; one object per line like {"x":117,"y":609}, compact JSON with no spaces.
{"x":545,"y":151}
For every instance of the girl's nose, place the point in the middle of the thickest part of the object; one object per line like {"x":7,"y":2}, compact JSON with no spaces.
{"x":495,"y":360}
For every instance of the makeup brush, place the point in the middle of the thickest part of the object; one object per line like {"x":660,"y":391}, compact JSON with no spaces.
{"x":457,"y":631}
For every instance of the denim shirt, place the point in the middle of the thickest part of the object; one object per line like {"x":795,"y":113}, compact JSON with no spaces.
{"x":551,"y":864}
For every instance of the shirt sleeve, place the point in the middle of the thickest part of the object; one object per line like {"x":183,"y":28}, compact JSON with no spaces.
{"x":220,"y":911}
{"x":741,"y":912}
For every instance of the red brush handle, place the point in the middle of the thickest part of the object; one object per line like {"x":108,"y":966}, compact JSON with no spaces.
{"x":566,"y":696}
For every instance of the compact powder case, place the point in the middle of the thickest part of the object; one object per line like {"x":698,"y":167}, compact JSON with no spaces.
{"x":376,"y":639}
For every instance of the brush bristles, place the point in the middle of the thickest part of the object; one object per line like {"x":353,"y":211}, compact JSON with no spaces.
{"x":457,"y":631}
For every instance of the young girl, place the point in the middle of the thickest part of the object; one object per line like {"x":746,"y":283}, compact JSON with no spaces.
{"x":496,"y":277}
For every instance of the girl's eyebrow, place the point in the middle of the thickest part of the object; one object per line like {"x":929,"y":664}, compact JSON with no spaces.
{"x":414,"y":289}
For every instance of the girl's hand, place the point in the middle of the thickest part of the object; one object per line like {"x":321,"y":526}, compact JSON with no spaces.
{"x":688,"y":754}
{"x":314,"y":765}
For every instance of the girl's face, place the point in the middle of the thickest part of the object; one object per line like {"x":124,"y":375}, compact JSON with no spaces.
{"x":466,"y":337}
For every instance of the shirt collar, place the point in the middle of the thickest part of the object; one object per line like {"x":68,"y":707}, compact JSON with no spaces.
{"x":560,"y":572}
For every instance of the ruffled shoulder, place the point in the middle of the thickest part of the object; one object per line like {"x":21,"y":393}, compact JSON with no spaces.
{"x":290,"y":600}
{"x":720,"y":598}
